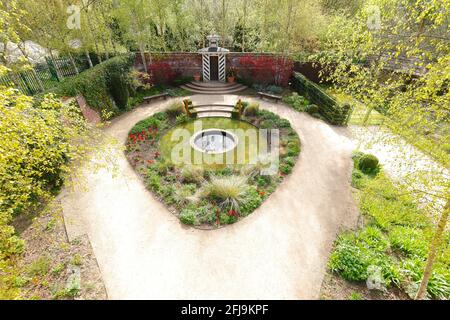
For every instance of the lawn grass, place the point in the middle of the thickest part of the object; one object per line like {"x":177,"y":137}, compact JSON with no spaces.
{"x":167,"y":144}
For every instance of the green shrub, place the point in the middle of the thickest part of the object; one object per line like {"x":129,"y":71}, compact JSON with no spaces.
{"x":188,"y":217}
{"x":368,"y":163}
{"x":252,"y":109}
{"x":274,"y":89}
{"x":182,"y":119}
{"x":118,"y":88}
{"x":356,"y":155}
{"x":312,"y":109}
{"x":283,"y":123}
{"x":227,"y":219}
{"x":358,"y":179}
{"x":408,"y":240}
{"x":98,"y":83}
{"x":296,"y":101}
{"x":267,"y":124}
{"x":161,"y":116}
{"x":289,"y":161}
{"x":354,"y":253}
{"x":153,"y":181}
{"x":145,"y":124}
{"x":293,"y":148}
{"x":252,"y":200}
{"x":285,"y":168}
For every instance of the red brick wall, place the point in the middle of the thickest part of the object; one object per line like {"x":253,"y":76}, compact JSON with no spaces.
{"x":190,"y":63}
{"x":183,"y":64}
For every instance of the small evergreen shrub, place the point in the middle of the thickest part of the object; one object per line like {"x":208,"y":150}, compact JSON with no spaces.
{"x":296,"y":101}
{"x":312,"y":109}
{"x":368,"y":163}
{"x":188,"y":217}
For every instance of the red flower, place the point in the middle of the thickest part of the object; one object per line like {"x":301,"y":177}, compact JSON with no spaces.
{"x":262,"y":193}
{"x":232,"y":213}
{"x":150,"y":162}
{"x":157,"y":154}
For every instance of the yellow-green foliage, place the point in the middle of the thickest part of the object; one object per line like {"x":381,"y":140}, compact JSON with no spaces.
{"x":35,"y":147}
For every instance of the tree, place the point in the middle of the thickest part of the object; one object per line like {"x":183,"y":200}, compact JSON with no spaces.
{"x":401,"y":68}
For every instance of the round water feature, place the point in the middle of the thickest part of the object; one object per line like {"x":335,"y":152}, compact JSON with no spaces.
{"x":214,"y":141}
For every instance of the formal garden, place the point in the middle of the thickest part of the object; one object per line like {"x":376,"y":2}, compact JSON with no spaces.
{"x":316,"y":135}
{"x":212,"y":192}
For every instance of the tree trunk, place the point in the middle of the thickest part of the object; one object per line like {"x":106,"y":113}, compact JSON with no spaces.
{"x":223,"y":23}
{"x":243,"y":25}
{"x":91,"y":65}
{"x":88,"y":18}
{"x":105,"y":48}
{"x":74,"y":65}
{"x":4,"y":53}
{"x":434,"y":248}
{"x":144,"y":61}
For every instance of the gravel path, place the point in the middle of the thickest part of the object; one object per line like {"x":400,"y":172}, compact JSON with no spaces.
{"x":278,"y":252}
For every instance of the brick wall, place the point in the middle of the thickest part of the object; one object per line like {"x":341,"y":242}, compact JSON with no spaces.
{"x":184,"y":64}
{"x":190,"y":63}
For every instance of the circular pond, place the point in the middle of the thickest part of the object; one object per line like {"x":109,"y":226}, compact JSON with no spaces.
{"x":214,"y":141}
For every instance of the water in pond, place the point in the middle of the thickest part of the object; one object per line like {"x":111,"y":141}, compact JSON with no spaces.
{"x":214,"y":141}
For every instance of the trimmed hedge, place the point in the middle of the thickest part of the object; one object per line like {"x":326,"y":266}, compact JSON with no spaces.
{"x":329,"y":108}
{"x":102,"y":86}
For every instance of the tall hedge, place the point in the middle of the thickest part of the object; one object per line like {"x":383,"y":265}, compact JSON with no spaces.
{"x":103,"y":86}
{"x":329,"y":108}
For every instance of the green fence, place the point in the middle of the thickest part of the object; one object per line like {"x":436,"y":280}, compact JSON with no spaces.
{"x":46,"y":75}
{"x":329,"y":107}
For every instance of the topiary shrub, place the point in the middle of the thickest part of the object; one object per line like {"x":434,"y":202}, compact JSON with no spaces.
{"x":118,"y":89}
{"x":368,"y":163}
{"x":312,"y":109}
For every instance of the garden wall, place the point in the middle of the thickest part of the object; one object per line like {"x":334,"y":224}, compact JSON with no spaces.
{"x":182,"y":64}
{"x":262,"y":68}
{"x":329,"y":108}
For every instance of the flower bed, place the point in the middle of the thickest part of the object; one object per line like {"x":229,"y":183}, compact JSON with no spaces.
{"x":207,"y":196}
